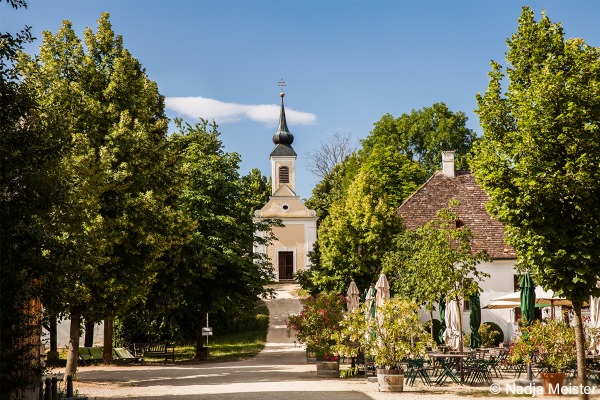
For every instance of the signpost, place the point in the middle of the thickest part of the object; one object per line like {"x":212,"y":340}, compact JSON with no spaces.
{"x":207,"y":331}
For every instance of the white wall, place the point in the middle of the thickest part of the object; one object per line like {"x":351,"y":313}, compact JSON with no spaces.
{"x":500,"y":282}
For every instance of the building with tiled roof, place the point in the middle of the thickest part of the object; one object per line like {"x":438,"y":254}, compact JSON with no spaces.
{"x":435,"y":194}
{"x":488,"y":233}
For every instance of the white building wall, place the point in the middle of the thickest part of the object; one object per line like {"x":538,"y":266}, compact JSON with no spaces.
{"x":500,"y":282}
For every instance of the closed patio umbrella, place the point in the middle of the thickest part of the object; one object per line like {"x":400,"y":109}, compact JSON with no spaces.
{"x":370,"y":301}
{"x":383,"y":290}
{"x":452,"y":333}
{"x":442,"y":306}
{"x":474,"y":320}
{"x":527,"y":298}
{"x":353,"y":294}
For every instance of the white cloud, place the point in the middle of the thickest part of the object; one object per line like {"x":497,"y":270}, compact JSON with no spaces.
{"x":221,"y":112}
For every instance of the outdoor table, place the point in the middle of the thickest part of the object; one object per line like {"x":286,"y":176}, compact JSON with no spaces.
{"x":448,"y":361}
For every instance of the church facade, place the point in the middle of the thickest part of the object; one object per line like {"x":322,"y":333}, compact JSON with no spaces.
{"x":295,"y":239}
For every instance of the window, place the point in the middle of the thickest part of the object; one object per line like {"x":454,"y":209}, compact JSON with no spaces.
{"x":284,"y":175}
{"x":458,"y":223}
{"x":466,"y":305}
{"x":516,"y":283}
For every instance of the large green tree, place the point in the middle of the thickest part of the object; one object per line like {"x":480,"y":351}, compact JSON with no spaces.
{"x":539,"y":158}
{"x":27,"y":189}
{"x":423,"y":134}
{"x":217,"y":271}
{"x":355,"y":235}
{"x":114,"y":222}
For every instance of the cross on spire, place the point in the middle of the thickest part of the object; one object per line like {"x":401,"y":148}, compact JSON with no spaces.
{"x":282,"y":85}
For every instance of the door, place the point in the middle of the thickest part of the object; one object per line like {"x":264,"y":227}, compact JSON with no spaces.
{"x":286,"y":265}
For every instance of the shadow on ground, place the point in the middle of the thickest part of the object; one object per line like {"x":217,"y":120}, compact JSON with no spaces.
{"x":345,"y":395}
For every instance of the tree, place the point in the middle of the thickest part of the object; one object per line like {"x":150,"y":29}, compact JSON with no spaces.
{"x":539,"y":158}
{"x":398,"y":175}
{"x":333,"y":186}
{"x":115,"y":179}
{"x":331,"y":153}
{"x":217,"y":271}
{"x":436,"y":260}
{"x":423,"y":134}
{"x":27,"y":188}
{"x":354,"y":237}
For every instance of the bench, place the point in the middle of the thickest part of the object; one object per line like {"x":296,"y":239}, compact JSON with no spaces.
{"x":121,"y":354}
{"x":90,"y":354}
{"x":156,"y":350}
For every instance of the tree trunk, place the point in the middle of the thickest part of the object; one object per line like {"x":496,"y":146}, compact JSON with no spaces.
{"x":199,"y":342}
{"x":53,"y":334}
{"x":88,"y":341}
{"x":580,"y":347}
{"x":73,"y":350}
{"x":432,"y":330}
{"x":108,"y":332}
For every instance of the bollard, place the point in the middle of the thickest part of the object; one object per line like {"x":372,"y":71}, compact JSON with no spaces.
{"x":48,"y":392}
{"x":54,"y":388}
{"x":69,"y":386}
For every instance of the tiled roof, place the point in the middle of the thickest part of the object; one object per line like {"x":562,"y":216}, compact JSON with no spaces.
{"x":435,"y":194}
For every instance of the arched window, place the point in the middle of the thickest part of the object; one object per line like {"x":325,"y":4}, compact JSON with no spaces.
{"x":284,"y":175}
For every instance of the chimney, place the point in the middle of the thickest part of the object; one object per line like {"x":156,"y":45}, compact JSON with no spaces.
{"x":448,"y":163}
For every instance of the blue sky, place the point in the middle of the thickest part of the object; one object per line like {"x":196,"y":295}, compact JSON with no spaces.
{"x":346,"y":63}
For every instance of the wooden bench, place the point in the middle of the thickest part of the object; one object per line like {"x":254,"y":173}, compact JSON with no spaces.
{"x":157,"y":350}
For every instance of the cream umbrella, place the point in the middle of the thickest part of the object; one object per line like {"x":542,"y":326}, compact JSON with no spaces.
{"x":383,"y":290}
{"x":452,"y":333}
{"x":353,"y":296}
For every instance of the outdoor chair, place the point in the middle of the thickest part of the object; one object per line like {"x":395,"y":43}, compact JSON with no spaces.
{"x":447,"y":367}
{"x":477,"y":371}
{"x":417,"y":368}
{"x":121,"y":354}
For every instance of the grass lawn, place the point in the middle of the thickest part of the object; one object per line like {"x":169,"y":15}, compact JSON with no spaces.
{"x":222,"y":347}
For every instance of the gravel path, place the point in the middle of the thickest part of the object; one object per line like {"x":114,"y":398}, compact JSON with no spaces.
{"x":278,"y":372}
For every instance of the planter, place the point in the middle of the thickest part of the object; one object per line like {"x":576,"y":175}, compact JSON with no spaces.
{"x":390,"y":380}
{"x":552,"y":382}
{"x":328,"y":369}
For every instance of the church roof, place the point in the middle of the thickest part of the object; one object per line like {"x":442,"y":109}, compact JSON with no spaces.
{"x":435,"y":194}
{"x":282,"y":150}
{"x":283,"y":139}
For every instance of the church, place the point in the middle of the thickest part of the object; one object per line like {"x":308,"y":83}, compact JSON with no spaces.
{"x":295,"y":239}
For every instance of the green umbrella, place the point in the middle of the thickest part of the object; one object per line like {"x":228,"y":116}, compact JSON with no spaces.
{"x":442,"y":305}
{"x":527,"y":298}
{"x":474,"y":320}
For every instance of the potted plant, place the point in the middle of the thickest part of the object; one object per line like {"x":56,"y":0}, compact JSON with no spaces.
{"x":393,"y":336}
{"x":551,"y":344}
{"x":317,"y":327}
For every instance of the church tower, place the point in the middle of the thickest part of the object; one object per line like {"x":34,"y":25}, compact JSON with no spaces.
{"x":283,"y":157}
{"x":295,"y":239}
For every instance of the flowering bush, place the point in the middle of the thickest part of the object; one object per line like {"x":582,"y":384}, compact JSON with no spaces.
{"x":318,"y":324}
{"x":393,"y":336}
{"x":550,"y":342}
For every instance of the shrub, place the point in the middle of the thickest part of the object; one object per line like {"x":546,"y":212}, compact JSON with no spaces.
{"x":491,"y":334}
{"x":318,"y":324}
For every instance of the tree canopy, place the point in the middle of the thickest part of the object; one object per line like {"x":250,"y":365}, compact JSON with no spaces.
{"x":423,"y":134}
{"x":539,"y":156}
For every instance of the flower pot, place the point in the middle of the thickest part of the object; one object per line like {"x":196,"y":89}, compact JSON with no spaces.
{"x":552,"y":382}
{"x":328,"y":369}
{"x":390,"y":380}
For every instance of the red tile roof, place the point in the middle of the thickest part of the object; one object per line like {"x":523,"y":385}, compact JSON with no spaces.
{"x":435,"y":194}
